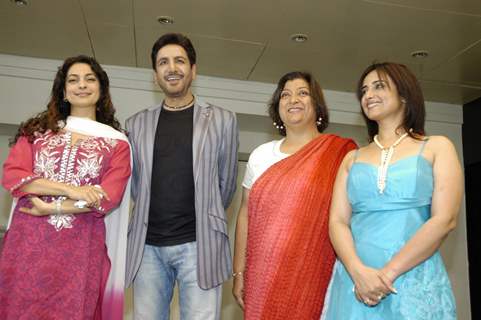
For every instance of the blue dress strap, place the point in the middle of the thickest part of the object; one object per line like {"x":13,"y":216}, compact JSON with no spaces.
{"x":423,"y":145}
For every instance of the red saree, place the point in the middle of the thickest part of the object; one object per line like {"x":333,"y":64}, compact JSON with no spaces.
{"x":289,"y":255}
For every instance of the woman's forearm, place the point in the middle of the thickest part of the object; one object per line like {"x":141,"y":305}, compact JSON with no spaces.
{"x":343,"y":243}
{"x":240,"y":241}
{"x":421,"y":246}
{"x":240,"y":249}
{"x":57,"y":207}
{"x":45,"y":187}
{"x":240,"y":246}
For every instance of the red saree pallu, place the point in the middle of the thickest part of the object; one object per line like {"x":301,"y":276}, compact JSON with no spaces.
{"x":289,"y":255}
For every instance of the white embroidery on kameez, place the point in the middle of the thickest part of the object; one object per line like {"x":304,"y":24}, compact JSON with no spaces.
{"x":72,"y":169}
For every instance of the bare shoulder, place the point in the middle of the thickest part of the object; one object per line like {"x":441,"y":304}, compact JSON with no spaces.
{"x":440,"y":144}
{"x":443,"y":151}
{"x":363,"y":150}
{"x":351,"y":155}
{"x":349,"y":159}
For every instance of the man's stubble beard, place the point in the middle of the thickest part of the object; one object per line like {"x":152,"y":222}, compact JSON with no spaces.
{"x":177,"y":94}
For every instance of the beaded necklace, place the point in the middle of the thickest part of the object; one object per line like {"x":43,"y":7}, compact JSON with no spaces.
{"x":386,"y":155}
{"x":179,"y":107}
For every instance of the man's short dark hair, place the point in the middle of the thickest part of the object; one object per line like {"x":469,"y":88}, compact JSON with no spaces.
{"x":173,"y":38}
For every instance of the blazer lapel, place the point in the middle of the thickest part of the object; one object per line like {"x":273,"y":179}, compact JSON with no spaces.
{"x":201,"y":119}
{"x":149,"y":139}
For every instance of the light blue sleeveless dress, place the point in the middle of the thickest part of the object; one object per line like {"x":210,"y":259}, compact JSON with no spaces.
{"x":381,"y":225}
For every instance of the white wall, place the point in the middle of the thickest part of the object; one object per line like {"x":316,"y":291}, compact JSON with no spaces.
{"x":25,"y":85}
{"x":5,"y":199}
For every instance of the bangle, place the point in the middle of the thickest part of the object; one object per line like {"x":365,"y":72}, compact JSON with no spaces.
{"x":238,"y":273}
{"x":80,"y":204}
{"x":58,"y":206}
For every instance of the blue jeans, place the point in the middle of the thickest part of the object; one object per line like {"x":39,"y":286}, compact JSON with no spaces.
{"x":160,"y":269}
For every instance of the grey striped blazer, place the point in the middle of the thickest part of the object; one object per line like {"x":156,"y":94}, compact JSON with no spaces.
{"x":214,"y":144}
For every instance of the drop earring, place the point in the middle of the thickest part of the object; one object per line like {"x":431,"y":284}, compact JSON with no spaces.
{"x":319,"y":121}
{"x":278,"y":126}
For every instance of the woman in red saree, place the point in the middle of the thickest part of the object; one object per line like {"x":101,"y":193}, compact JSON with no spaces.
{"x":63,"y":256}
{"x":283,"y":258}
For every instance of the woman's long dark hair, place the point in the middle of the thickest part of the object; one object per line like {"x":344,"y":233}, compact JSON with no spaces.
{"x":58,"y":109}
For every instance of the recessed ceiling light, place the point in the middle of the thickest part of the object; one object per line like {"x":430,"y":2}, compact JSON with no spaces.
{"x":20,"y":3}
{"x":420,"y":54}
{"x":165,"y":20}
{"x":299,"y":37}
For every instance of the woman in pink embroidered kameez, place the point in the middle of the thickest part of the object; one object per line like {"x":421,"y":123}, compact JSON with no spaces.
{"x":63,"y":255}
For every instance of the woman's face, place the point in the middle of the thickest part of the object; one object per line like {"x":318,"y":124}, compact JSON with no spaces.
{"x":82,"y":87}
{"x":380,"y":98}
{"x":296,"y":108}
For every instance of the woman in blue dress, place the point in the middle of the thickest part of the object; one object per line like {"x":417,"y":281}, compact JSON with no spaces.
{"x":394,"y":203}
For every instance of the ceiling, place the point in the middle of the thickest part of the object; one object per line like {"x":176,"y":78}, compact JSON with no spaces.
{"x":250,"y":40}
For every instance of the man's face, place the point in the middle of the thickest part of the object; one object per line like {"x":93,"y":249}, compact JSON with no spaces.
{"x":173,"y":71}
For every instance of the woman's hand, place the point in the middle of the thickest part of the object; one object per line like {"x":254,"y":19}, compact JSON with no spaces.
{"x":39,"y":207}
{"x":238,"y":289}
{"x":371,"y":285}
{"x":240,"y":249}
{"x":93,"y":195}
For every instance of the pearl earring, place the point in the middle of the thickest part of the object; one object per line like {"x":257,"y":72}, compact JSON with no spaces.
{"x":319,"y":121}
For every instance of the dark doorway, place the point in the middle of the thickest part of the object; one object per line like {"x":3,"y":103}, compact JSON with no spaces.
{"x":472,"y":171}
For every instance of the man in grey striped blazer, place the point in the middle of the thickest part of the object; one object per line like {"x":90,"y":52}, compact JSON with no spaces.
{"x":184,"y":176}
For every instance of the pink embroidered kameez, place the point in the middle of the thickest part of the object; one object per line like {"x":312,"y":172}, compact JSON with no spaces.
{"x":51,"y":269}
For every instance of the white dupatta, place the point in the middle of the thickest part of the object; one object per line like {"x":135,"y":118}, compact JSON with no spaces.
{"x":116,"y":223}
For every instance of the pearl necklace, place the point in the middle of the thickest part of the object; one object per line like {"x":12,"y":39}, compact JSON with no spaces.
{"x":386,"y":155}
